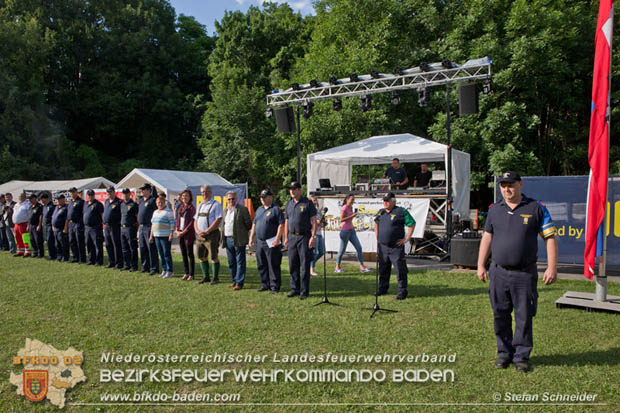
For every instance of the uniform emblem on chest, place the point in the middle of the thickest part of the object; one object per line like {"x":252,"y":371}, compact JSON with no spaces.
{"x":268,"y":213}
{"x":302,"y":208}
{"x":113,"y":206}
{"x":392,"y":216}
{"x":526,"y":218}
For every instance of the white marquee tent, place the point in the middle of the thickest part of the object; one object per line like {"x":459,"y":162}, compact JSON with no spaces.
{"x":15,"y":187}
{"x":336,"y":163}
{"x":171,"y":183}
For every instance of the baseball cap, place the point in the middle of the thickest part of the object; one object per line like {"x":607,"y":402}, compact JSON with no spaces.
{"x":61,"y":196}
{"x":126,"y":191}
{"x":90,"y":192}
{"x":74,"y":189}
{"x":294,"y":185}
{"x":146,"y":186}
{"x":510,"y":177}
{"x":266,"y":192}
{"x":389,"y":196}
{"x":44,"y":195}
{"x":111,"y":189}
{"x":32,"y":195}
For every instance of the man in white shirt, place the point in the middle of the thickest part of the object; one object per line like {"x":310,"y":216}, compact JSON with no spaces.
{"x":21,"y":216}
{"x":207,"y":226}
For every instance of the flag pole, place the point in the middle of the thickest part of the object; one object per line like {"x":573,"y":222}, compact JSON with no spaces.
{"x":601,"y":278}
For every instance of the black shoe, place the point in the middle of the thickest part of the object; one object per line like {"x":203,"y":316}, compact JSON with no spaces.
{"x":262,"y":289}
{"x":17,"y":255}
{"x":90,"y":263}
{"x":110,"y":266}
{"x":120,"y":268}
{"x":274,"y":291}
{"x":204,"y":280}
{"x":143,"y":270}
{"x":401,"y":296}
{"x":501,"y":363}
{"x":522,"y":366}
{"x":303,"y":296}
{"x":153,"y":272}
{"x":292,"y":294}
{"x":98,"y":265}
{"x":380,"y":293}
{"x":214,"y":281}
{"x":50,"y":259}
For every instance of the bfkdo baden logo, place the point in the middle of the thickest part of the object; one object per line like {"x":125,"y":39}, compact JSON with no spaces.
{"x":48,"y":373}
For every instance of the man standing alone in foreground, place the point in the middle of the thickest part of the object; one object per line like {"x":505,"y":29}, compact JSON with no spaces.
{"x":510,"y":236}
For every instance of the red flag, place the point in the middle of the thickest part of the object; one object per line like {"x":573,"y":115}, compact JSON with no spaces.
{"x":598,"y":154}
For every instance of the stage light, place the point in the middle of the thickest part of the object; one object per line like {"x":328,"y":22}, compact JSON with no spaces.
{"x":486,"y":86}
{"x":337,"y":105}
{"x":395,"y":98}
{"x":447,"y":64}
{"x":423,"y":96}
{"x":269,"y":113}
{"x":295,"y":86}
{"x":307,"y":106}
{"x":333,"y":80}
{"x":425,"y":67}
{"x":374,"y":74}
{"x":354,"y":78}
{"x":314,"y":83}
{"x":399,"y":71}
{"x":366,"y":103}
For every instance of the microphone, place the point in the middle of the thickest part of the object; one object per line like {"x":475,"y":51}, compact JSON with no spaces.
{"x":325,"y":210}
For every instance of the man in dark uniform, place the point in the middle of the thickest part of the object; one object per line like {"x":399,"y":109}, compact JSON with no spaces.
{"x":112,"y":229}
{"x":300,"y":228}
{"x":390,"y":232}
{"x":4,"y":242}
{"x":129,"y":231}
{"x":76,"y":227}
{"x":60,"y":226}
{"x":48,"y":213}
{"x":93,"y":220}
{"x":423,"y":177}
{"x":397,"y":175}
{"x":510,"y":236}
{"x":35,"y":227}
{"x":148,"y":251}
{"x":268,"y":227}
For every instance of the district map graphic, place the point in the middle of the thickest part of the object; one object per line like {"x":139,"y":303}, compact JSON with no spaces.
{"x":48,"y":372}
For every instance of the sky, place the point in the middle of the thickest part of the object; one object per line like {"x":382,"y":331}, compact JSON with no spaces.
{"x":208,"y":11}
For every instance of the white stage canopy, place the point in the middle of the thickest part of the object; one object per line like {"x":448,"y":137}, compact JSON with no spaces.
{"x":15,"y":187}
{"x":336,"y":163}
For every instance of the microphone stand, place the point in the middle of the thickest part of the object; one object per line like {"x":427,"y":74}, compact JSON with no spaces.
{"x":325,"y":300}
{"x":375,"y":309}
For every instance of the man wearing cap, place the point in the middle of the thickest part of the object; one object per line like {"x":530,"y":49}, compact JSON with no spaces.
{"x":21,"y":217}
{"x":35,"y":227}
{"x":4,"y":242}
{"x":390,"y":225}
{"x":206,"y":224}
{"x":268,"y":228}
{"x":48,"y":232}
{"x":129,"y":231}
{"x":148,"y":250}
{"x":510,"y":237}
{"x":75,"y":212}
{"x":300,"y":228}
{"x":112,"y":229}
{"x":60,"y":226}
{"x":237,"y":225}
{"x":93,"y":232}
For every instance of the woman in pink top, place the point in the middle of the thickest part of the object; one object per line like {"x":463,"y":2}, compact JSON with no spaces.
{"x":347,"y":233}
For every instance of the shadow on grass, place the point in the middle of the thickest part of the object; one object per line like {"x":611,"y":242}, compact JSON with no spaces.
{"x":610,"y":357}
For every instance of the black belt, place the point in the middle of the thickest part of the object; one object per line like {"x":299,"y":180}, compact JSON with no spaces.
{"x":126,"y":226}
{"x":145,"y":225}
{"x":515,"y":267}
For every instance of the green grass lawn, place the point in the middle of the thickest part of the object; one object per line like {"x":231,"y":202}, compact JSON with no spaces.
{"x":97,"y":310}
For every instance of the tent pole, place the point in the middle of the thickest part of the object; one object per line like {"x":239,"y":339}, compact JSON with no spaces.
{"x":449,"y":169}
{"x":298,"y":146}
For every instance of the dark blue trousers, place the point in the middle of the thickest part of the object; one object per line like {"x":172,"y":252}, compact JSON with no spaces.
{"x":112,"y":236}
{"x":268,"y":262}
{"x":76,"y":242}
{"x":395,"y":256}
{"x":94,"y":242}
{"x":4,"y":241}
{"x":50,"y":240}
{"x":148,"y":251}
{"x":299,"y":257}
{"x":516,"y":290}
{"x":62,"y":244}
{"x":129,"y":241}
{"x":36,"y":242}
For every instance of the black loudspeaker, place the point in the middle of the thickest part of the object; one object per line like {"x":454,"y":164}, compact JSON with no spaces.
{"x":468,"y":99}
{"x":285,"y":119}
{"x":464,"y":251}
